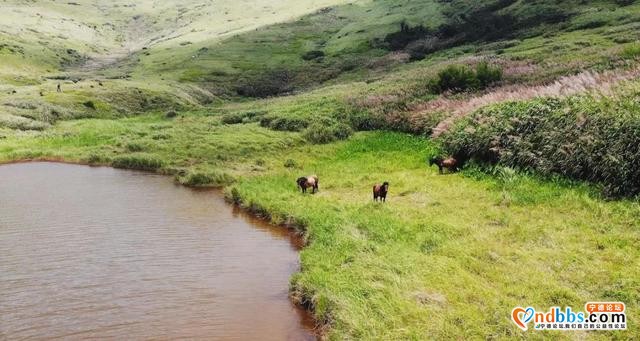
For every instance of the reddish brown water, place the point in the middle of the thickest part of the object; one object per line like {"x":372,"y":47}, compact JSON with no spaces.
{"x":104,"y":253}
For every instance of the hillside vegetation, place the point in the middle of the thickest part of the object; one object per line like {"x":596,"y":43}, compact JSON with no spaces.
{"x":540,"y":98}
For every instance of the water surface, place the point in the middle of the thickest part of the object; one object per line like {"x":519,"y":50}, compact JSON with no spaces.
{"x":103,"y":253}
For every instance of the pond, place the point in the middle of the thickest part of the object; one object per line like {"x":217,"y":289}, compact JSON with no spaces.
{"x":88,"y":252}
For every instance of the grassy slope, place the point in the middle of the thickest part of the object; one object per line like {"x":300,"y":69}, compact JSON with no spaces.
{"x":80,"y":43}
{"x":342,"y":32}
{"x":187,"y":64}
{"x":590,"y":37}
{"x":394,"y":89}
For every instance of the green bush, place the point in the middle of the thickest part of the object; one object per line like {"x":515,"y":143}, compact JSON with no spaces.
{"x":488,"y":74}
{"x":271,"y":83}
{"x":205,"y":179}
{"x":407,"y":34}
{"x":583,"y":138}
{"x":364,"y":120}
{"x":90,"y":105}
{"x":138,"y":161}
{"x":95,"y":159}
{"x":321,"y":132}
{"x":134,"y":147}
{"x":284,"y":123}
{"x":631,"y":51}
{"x":458,"y":78}
{"x":290,"y":163}
{"x":313,"y":55}
{"x":21,"y":123}
{"x":241,"y":117}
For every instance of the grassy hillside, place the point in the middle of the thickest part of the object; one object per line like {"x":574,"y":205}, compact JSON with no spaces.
{"x":361,"y":40}
{"x":539,"y":95}
{"x":91,"y":49}
{"x":268,"y":48}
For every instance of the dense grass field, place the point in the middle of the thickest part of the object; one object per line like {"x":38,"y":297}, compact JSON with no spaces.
{"x":250,"y":95}
{"x":448,"y":255}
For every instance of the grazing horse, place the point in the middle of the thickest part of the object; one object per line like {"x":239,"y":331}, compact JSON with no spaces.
{"x":449,"y":163}
{"x":307,"y":182}
{"x":380,"y":191}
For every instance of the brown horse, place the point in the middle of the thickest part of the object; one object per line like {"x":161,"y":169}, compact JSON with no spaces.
{"x":380,"y":191}
{"x":308,"y":182}
{"x":451,"y":164}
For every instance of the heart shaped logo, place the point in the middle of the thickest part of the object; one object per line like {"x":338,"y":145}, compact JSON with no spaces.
{"x":521,"y":317}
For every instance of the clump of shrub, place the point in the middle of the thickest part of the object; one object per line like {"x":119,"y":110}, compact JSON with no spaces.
{"x":95,"y":159}
{"x":290,"y":163}
{"x":419,"y":49}
{"x":242,"y":117}
{"x":90,"y":105}
{"x":134,"y":147}
{"x":455,"y":78}
{"x":138,"y":161}
{"x":364,"y":120}
{"x":313,"y":55}
{"x":488,"y":74}
{"x":21,"y":123}
{"x":170,"y":114}
{"x":584,"y":138}
{"x":284,"y":123}
{"x":161,"y":136}
{"x":326,"y":131}
{"x":205,"y":179}
{"x":268,"y":84}
{"x":458,"y":78}
{"x":407,"y":34}
{"x":631,"y":51}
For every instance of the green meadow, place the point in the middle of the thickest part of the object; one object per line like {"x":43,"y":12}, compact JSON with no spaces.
{"x":251,"y":95}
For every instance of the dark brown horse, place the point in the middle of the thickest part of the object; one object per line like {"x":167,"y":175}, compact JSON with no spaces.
{"x":451,"y":164}
{"x":380,"y":191}
{"x":308,"y":182}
